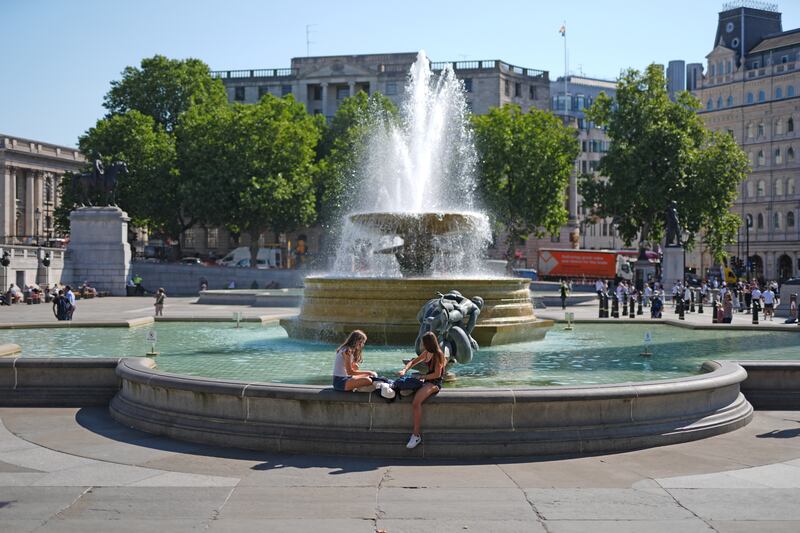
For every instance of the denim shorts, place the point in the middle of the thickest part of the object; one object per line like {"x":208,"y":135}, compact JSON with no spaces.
{"x":339,"y":382}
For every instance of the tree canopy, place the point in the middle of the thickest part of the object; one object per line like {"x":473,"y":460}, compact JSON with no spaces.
{"x":661,"y":152}
{"x":253,"y":163}
{"x":525,"y":161}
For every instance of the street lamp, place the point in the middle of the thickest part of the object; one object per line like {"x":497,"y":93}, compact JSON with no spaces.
{"x":748,"y":223}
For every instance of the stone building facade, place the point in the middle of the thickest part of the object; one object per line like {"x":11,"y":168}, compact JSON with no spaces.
{"x":321,"y":83}
{"x":751,"y":89}
{"x":30,"y":176}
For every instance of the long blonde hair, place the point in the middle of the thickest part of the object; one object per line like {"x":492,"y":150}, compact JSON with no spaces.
{"x":352,"y":344}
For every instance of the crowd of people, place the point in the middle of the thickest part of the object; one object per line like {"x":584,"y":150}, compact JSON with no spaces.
{"x":741,"y":297}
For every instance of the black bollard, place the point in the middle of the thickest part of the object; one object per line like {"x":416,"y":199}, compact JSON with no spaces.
{"x":691,"y":306}
{"x":639,"y":310}
{"x":714,"y":311}
{"x":632,"y":308}
{"x":681,"y":309}
{"x":603,"y":305}
{"x":615,"y":307}
{"x":755,"y":312}
{"x":700,"y":305}
{"x":600,"y":311}
{"x":625,"y":304}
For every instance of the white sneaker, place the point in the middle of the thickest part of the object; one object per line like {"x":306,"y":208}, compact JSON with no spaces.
{"x":387,"y":391}
{"x":413,"y":442}
{"x":377,"y":384}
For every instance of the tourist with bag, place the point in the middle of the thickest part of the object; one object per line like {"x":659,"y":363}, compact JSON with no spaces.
{"x":346,"y":374}
{"x":433,"y":357}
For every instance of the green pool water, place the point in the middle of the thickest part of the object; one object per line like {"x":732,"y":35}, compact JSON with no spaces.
{"x":590,"y":354}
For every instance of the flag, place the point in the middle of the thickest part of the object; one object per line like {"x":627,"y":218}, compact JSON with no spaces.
{"x":563,"y":30}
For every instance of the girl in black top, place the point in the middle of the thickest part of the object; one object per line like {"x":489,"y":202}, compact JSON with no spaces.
{"x":433,"y":357}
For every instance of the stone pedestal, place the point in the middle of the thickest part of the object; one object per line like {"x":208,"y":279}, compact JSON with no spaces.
{"x":671,"y":265}
{"x":98,"y":250}
{"x":42,"y":271}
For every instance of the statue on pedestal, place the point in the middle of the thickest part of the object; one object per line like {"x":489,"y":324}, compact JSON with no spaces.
{"x":99,"y":182}
{"x":673,"y":225}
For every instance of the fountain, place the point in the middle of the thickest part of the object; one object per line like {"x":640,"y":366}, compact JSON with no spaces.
{"x":415,"y":231}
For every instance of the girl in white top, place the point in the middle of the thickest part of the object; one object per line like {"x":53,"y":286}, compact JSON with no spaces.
{"x":346,"y":374}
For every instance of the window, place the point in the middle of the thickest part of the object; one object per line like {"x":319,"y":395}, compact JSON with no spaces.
{"x":517,"y":90}
{"x":749,"y":98}
{"x":581,"y":101}
{"x":262,"y":91}
{"x":506,"y":87}
{"x":719,"y":102}
{"x":709,"y":104}
{"x":712,"y":69}
{"x":48,"y":189}
{"x":730,"y":101}
{"x":761,"y":189}
{"x":532,"y":92}
{"x":760,"y":131}
{"x":316,"y":92}
{"x":212,"y":238}
{"x":790,"y":154}
{"x":342,"y":93}
{"x":778,"y":93}
{"x":755,"y":64}
{"x":779,"y":188}
{"x":784,"y":59}
{"x":790,"y":219}
{"x":20,"y":188}
{"x":778,"y":157}
{"x":776,"y":220}
{"x":790,"y":125}
{"x":751,"y":130}
{"x":238,"y":94}
{"x":749,"y":189}
{"x":391,"y":87}
{"x":605,"y":229}
{"x":761,"y":96}
{"x":189,"y":238}
{"x":790,"y":91}
{"x":467,"y":85}
{"x":760,"y":158}
{"x":790,"y":187}
{"x":584,"y":167}
{"x":748,"y":221}
{"x":779,"y":127}
{"x":760,"y":221}
{"x":286,"y":89}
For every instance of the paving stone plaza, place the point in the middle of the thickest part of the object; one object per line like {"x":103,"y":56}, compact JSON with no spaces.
{"x":77,"y":469}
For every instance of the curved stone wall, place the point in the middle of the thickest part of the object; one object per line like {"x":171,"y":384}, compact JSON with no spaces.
{"x":470,"y":423}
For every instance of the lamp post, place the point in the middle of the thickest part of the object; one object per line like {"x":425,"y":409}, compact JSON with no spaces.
{"x":747,"y":225}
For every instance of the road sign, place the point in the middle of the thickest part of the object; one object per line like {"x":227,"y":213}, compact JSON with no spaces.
{"x":648,"y":337}
{"x":151,"y":336}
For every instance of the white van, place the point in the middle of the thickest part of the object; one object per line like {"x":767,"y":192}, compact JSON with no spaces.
{"x":240,"y":257}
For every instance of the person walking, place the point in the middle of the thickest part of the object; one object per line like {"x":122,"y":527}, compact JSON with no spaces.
{"x":70,"y":296}
{"x":161,"y":295}
{"x":564,"y":291}
{"x":755,"y":298}
{"x":769,"y":303}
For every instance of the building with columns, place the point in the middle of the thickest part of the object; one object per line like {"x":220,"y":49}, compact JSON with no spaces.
{"x":321,"y":83}
{"x":30,"y":175}
{"x":751,"y":90}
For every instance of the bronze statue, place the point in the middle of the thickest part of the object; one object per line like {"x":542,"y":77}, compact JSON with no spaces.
{"x":673,"y":225}
{"x":452,"y":317}
{"x":99,"y":183}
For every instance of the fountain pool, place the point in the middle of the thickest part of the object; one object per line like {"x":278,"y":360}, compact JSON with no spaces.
{"x":591,"y":354}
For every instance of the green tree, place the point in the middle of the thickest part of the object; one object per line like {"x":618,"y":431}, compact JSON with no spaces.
{"x":144,"y":109}
{"x":661,"y":152}
{"x":164,"y":88}
{"x":254,"y":163}
{"x":341,"y":150}
{"x":525,"y":160}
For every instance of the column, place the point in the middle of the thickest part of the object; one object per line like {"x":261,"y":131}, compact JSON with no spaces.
{"x":573,"y":199}
{"x":29,"y":178}
{"x":352,"y":86}
{"x":324,"y":99}
{"x":6,"y":203}
{"x":38,"y":203}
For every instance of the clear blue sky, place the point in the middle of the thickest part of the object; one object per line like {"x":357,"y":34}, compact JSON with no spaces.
{"x":59,"y":56}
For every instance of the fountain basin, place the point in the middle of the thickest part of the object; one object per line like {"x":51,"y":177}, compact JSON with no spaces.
{"x":473,"y":423}
{"x":386,"y":309}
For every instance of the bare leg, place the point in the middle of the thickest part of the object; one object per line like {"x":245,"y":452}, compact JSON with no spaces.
{"x":354,"y":383}
{"x":420,"y":396}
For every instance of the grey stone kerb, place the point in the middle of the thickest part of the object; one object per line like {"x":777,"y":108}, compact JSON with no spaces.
{"x":98,"y":250}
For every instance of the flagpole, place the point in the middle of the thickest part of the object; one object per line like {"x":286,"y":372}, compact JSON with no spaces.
{"x":566,"y":70}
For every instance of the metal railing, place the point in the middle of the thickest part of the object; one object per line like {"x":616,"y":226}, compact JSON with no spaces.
{"x":254,"y":73}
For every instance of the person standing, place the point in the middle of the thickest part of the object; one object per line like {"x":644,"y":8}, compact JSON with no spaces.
{"x":755,"y":298}
{"x":727,"y":308}
{"x":161,"y":295}
{"x":599,"y":286}
{"x":648,"y":293}
{"x":769,"y":303}
{"x":563,"y":292}
{"x":70,"y":296}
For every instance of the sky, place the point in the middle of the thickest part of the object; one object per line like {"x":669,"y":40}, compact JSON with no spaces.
{"x":59,"y":57}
